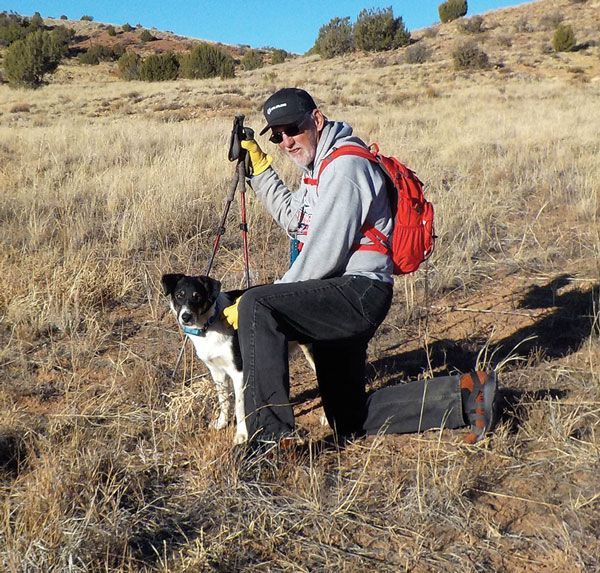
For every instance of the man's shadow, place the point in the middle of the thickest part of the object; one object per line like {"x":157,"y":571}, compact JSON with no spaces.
{"x":556,"y":334}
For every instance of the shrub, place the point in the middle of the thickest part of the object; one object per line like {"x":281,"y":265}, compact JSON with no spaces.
{"x":117,"y":51}
{"x":452,"y":9}
{"x":12,"y":28}
{"x":27,"y":61}
{"x":36,"y":21}
{"x":63,"y":36}
{"x":159,"y":67}
{"x":129,"y":66}
{"x":252,"y":60}
{"x":431,"y":32}
{"x":127,"y":27}
{"x":472,"y":25}
{"x":551,"y":21}
{"x":417,"y":54}
{"x":146,"y":36}
{"x":111,"y":31}
{"x":89,"y":57}
{"x":278,"y":56}
{"x":335,"y":38}
{"x":377,"y":30}
{"x":504,"y":40}
{"x":99,"y":53}
{"x":87,"y":18}
{"x":523,"y":26}
{"x":563,"y":39}
{"x":206,"y":61}
{"x":64,"y":17}
{"x":469,"y":56}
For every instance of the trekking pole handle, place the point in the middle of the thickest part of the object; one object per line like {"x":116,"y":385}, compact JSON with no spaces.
{"x":238,"y":132}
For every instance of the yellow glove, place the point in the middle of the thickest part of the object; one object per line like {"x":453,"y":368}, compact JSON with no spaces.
{"x":231,"y":314}
{"x":259,"y":159}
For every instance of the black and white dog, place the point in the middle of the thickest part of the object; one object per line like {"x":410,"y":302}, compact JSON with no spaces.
{"x":198,"y":304}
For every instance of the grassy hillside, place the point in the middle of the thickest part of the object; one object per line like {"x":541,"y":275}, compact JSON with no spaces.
{"x":107,"y":462}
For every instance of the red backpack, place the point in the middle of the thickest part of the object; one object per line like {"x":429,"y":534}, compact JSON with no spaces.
{"x":413,"y":235}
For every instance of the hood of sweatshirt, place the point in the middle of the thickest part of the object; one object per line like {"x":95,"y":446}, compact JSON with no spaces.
{"x":334,"y":134}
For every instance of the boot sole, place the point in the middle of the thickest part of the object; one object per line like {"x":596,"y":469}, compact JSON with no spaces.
{"x":490,"y":395}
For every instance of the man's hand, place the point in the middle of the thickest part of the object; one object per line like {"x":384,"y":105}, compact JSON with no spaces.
{"x":259,"y":159}
{"x":231,"y":314}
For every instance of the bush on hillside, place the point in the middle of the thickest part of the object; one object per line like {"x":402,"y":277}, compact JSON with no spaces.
{"x":86,"y":18}
{"x":89,"y":57}
{"x":64,"y":17}
{"x":278,"y":56}
{"x":206,"y":61}
{"x":63,"y":36}
{"x":452,"y":9}
{"x":36,"y":21}
{"x":111,"y":31}
{"x":100,"y":53}
{"x":252,"y":60}
{"x":551,"y":21}
{"x":417,"y":54}
{"x":12,"y":28}
{"x":377,"y":30}
{"x":27,"y":61}
{"x":523,"y":26}
{"x":159,"y":67}
{"x":129,"y":66}
{"x":564,"y":38}
{"x":469,"y":56}
{"x":335,"y":38}
{"x":127,"y":27}
{"x":472,"y":25}
{"x":146,"y":36}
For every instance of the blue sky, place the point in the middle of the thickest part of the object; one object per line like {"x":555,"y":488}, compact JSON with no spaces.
{"x":292,"y":26}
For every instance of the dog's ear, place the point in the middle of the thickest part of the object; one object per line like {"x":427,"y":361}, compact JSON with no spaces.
{"x":169,"y":282}
{"x":213,"y":286}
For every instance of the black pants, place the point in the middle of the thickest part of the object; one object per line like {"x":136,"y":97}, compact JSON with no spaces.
{"x":338,"y":316}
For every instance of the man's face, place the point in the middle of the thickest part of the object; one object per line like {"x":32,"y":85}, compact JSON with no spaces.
{"x":301,"y":145}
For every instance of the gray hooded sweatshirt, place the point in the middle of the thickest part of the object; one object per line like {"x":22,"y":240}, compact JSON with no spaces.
{"x":328,"y":218}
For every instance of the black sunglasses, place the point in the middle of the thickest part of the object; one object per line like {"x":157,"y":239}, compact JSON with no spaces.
{"x":290,"y":130}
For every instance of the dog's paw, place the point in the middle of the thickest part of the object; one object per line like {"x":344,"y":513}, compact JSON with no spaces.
{"x":240,"y":438}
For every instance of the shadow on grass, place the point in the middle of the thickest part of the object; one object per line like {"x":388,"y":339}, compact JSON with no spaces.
{"x":513,"y":405}
{"x":557,"y":334}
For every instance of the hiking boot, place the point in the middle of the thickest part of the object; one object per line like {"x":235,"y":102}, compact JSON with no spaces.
{"x":479,"y":391}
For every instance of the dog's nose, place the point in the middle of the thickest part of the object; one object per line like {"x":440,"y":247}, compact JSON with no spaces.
{"x":186,"y":317}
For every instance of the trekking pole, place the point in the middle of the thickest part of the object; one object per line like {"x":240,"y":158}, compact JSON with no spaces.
{"x":221,"y":227}
{"x":244,"y":225}
{"x":236,"y":152}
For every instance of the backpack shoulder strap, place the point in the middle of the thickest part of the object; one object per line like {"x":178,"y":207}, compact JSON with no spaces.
{"x":346,"y":150}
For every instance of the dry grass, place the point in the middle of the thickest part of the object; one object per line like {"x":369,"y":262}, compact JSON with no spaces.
{"x":107,"y":463}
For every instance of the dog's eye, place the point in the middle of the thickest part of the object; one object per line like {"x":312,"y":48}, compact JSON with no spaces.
{"x":195,"y":296}
{"x":180,"y":294}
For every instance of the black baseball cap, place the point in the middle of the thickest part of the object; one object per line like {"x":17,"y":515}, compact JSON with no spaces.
{"x":287,"y":106}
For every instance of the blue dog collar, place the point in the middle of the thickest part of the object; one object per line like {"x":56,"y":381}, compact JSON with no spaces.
{"x":202,"y":331}
{"x":193,"y":331}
